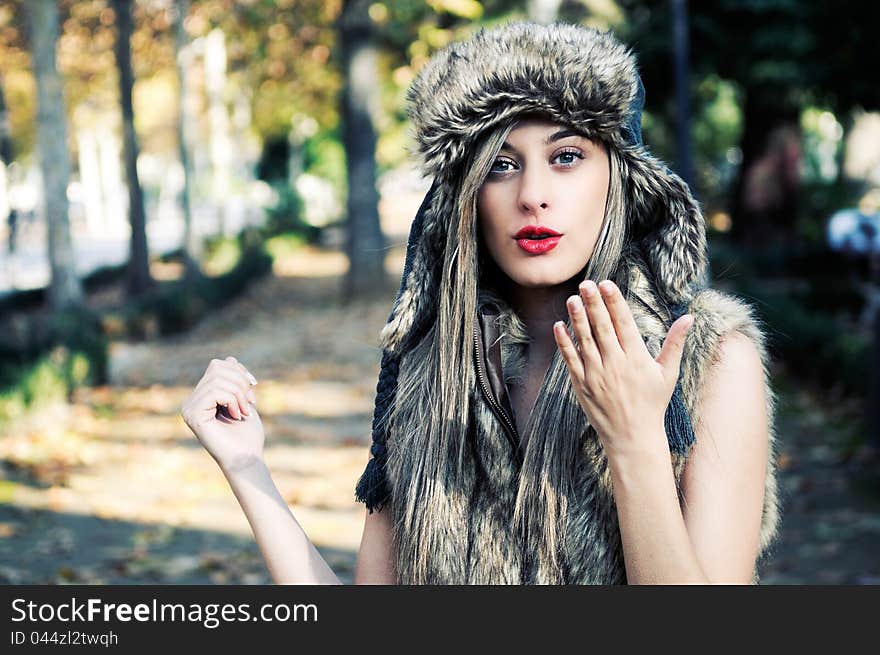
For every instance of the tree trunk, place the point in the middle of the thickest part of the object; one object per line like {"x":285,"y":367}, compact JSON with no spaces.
{"x":138,"y":276}
{"x":65,"y":290}
{"x":220,"y":145}
{"x":5,"y":131}
{"x":192,"y":244}
{"x":365,"y":244}
{"x":681,"y":47}
{"x":762,"y":114}
{"x":7,"y":211}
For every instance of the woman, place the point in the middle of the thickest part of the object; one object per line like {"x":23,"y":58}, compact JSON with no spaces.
{"x":562,"y":399}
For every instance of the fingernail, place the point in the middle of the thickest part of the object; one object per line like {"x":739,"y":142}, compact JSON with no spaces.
{"x":589,"y":287}
{"x":607,"y":287}
{"x":252,"y":378}
{"x":574,"y":303}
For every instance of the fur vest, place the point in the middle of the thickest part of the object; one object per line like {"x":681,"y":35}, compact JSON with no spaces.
{"x":586,"y":79}
{"x":479,"y":544}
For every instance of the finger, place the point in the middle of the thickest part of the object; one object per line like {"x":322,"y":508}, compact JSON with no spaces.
{"x":673,"y":346}
{"x":251,"y":379}
{"x":600,"y":320}
{"x":204,"y":404}
{"x":569,"y":353}
{"x":213,"y":366}
{"x":580,"y":326}
{"x":227,"y":371}
{"x":241,"y":403}
{"x":239,"y":406}
{"x":233,"y":377}
{"x":241,"y":367}
{"x":628,"y":334}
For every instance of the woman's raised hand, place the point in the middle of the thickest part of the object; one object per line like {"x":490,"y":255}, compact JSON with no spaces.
{"x":221,"y":412}
{"x":621,"y":387}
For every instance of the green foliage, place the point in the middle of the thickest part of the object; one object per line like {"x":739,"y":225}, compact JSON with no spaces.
{"x":35,"y":385}
{"x":819,"y":200}
{"x":324,"y":156}
{"x":221,"y":254}
{"x":823,"y":144}
{"x":49,"y":379}
{"x":79,"y":330}
{"x":807,"y":300}
{"x":813,"y":344}
{"x":284,"y":245}
{"x":176,"y":306}
{"x":286,"y":216}
{"x":70,"y":349}
{"x":717,"y":128}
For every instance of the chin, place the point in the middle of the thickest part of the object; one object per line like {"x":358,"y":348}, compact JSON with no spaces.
{"x":541,"y":279}
{"x":547,"y":270}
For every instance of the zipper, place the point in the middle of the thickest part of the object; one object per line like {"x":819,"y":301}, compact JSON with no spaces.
{"x":506,"y":422}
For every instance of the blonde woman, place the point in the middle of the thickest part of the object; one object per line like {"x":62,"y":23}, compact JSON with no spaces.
{"x":562,"y":399}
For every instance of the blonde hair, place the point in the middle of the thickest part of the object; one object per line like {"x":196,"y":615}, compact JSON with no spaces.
{"x":433,"y":412}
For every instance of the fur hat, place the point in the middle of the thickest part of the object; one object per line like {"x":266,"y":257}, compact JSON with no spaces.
{"x":577,"y":76}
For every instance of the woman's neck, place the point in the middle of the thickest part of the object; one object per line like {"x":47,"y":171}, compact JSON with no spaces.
{"x":539,"y":308}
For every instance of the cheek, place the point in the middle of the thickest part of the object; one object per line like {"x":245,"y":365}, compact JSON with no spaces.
{"x":488,"y":218}
{"x":590,"y":204}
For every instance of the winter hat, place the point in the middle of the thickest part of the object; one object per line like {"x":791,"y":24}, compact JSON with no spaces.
{"x":573,"y":75}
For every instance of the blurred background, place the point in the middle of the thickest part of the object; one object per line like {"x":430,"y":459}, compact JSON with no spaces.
{"x":183,"y":180}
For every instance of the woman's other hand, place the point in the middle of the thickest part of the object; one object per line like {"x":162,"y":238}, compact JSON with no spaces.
{"x":221,"y":412}
{"x":621,"y":387}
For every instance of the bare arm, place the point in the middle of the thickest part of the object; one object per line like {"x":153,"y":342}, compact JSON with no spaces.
{"x":222,"y":414}
{"x":375,"y":564}
{"x":289,"y":554}
{"x":713,"y":536}
{"x":723,"y":480}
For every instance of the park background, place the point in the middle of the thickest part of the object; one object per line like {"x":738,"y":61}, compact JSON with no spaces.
{"x":195,"y":179}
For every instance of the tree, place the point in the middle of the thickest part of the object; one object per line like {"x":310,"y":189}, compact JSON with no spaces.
{"x":682,"y":89}
{"x":138,"y":277}
{"x":782,"y":55}
{"x":365,"y":244}
{"x":191,"y":242}
{"x":65,"y":291}
{"x":6,"y":159}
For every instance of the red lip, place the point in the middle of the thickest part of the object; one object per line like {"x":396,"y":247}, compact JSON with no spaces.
{"x":536,"y":232}
{"x":537,"y":239}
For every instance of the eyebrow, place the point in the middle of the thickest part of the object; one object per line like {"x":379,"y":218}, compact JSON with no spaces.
{"x":556,"y":136}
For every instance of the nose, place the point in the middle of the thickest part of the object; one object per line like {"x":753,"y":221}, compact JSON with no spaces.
{"x":534,"y":191}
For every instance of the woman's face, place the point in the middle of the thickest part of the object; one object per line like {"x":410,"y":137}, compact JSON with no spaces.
{"x":542,"y":205}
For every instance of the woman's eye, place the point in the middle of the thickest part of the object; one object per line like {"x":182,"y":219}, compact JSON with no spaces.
{"x":501,"y":166}
{"x":568,"y":157}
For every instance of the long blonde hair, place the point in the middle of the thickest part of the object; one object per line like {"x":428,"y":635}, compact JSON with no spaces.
{"x":433,"y":412}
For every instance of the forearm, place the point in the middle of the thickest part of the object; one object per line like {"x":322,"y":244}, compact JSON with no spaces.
{"x":289,"y":554}
{"x":656,"y":546}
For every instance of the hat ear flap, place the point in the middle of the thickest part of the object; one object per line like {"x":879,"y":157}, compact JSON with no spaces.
{"x":675,"y":241}
{"x":412,"y":307}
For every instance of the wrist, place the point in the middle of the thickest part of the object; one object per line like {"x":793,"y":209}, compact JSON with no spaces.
{"x":242,"y":465}
{"x":647,"y":448}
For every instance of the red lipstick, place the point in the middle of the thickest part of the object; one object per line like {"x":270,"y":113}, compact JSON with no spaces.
{"x":537,"y":239}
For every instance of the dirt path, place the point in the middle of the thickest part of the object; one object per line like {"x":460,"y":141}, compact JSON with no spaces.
{"x":115,"y":489}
